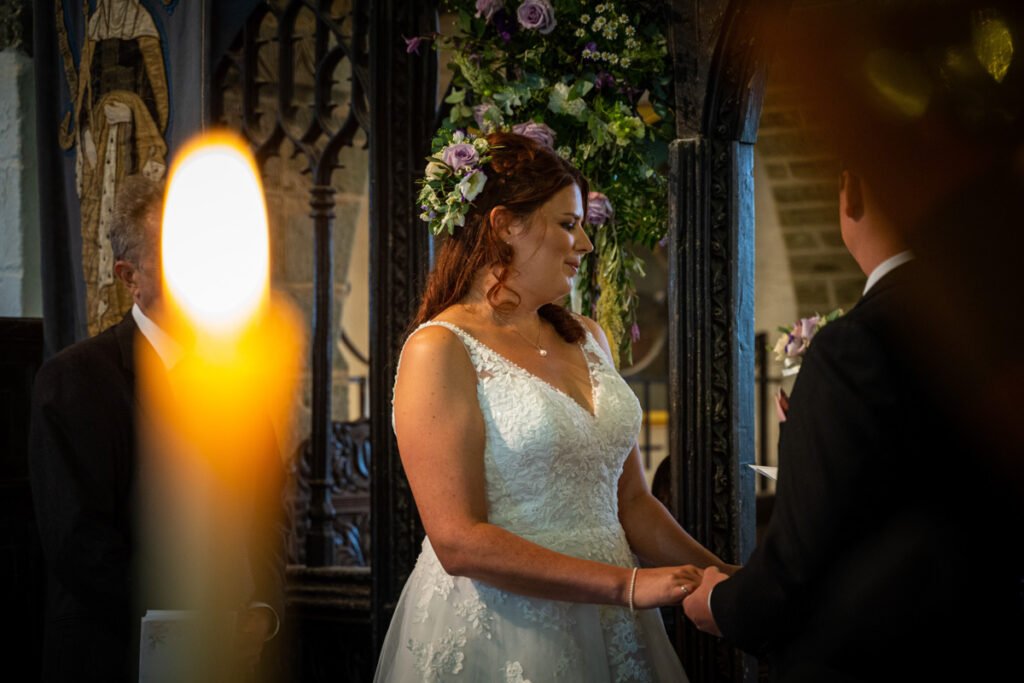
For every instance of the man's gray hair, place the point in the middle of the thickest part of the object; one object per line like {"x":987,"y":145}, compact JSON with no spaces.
{"x":137,"y":198}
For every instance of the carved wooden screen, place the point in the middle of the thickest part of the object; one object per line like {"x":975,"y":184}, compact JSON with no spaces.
{"x":294,"y":83}
{"x":340,"y":117}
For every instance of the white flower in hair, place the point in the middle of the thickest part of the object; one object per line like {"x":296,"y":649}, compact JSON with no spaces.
{"x":435,"y":170}
{"x":471,"y":185}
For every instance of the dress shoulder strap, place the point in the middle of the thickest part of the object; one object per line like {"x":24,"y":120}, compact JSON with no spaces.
{"x":592,"y":350}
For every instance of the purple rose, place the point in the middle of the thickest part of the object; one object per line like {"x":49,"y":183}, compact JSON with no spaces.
{"x":599,"y":209}
{"x":537,"y":15}
{"x":796,"y":345}
{"x":536,"y":131}
{"x":488,"y":8}
{"x":808,"y":326}
{"x":800,"y":338}
{"x":462,"y":154}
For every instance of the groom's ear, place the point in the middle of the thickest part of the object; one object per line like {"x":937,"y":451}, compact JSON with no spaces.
{"x":851,"y":195}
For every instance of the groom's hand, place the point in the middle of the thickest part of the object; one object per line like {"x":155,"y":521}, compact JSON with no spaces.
{"x":256,"y":625}
{"x":781,"y":406}
{"x":696,"y":604}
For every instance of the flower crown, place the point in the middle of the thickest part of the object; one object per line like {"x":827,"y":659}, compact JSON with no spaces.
{"x":454,"y":177}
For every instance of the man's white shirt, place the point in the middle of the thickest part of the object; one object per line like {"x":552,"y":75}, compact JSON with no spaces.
{"x":169,"y":350}
{"x":885,"y":267}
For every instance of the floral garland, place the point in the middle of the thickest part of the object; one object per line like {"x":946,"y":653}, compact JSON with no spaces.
{"x":593,"y":83}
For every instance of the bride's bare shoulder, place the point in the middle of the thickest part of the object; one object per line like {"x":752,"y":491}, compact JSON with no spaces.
{"x":435,"y":341}
{"x":435,"y":363}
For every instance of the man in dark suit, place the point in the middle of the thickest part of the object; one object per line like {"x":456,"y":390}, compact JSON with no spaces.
{"x":84,"y":461}
{"x":881,"y":560}
{"x":893,"y":551}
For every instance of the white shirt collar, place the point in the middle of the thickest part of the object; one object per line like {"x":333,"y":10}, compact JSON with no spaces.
{"x":169,"y":350}
{"x":885,"y":267}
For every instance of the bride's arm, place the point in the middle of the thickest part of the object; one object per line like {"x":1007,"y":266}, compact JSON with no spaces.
{"x":440,"y":433}
{"x":652,"y":531}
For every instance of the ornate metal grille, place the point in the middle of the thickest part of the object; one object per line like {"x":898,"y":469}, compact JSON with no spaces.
{"x":294,"y":83}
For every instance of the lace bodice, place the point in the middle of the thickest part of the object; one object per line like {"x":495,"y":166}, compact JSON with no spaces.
{"x":552,"y":466}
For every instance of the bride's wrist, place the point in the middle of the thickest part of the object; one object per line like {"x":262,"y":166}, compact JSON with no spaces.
{"x":631,"y":598}
{"x":626,"y":586}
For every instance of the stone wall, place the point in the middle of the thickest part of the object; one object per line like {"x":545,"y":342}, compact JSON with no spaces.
{"x":20,"y":280}
{"x":287,"y":185}
{"x":803,"y":182}
{"x":291,"y":233}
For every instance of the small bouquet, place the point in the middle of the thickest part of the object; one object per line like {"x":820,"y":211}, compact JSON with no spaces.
{"x":794,"y":341}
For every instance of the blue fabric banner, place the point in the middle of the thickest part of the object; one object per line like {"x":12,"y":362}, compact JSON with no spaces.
{"x":122,"y":84}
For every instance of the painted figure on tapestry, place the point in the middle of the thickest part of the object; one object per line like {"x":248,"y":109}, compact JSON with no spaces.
{"x":117,"y":124}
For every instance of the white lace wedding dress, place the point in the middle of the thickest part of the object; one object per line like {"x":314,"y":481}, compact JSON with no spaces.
{"x":552,"y":472}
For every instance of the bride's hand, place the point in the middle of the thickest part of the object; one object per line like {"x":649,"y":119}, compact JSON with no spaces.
{"x":665,"y":585}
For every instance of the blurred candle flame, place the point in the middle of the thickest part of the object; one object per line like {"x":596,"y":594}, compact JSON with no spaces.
{"x":242,"y":347}
{"x":212,"y":425}
{"x":215,"y":241}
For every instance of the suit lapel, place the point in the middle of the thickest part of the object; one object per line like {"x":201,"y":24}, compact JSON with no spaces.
{"x":125,"y":332}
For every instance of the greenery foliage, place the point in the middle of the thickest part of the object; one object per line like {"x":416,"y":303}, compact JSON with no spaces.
{"x":597,"y":75}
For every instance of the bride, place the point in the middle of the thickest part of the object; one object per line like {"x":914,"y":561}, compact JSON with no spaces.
{"x":518,"y":437}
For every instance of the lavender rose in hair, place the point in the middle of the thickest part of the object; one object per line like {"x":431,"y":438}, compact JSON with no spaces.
{"x":459,"y":155}
{"x":536,"y":131}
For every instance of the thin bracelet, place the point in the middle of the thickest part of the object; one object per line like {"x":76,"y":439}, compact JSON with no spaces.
{"x":632,"y":588}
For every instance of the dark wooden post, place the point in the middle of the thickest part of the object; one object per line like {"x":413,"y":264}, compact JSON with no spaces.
{"x":320,"y":538}
{"x":719,"y":70}
{"x":402,"y":104}
{"x":711,"y":368}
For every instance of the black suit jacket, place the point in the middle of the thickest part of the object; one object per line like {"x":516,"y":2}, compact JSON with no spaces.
{"x":83,"y":467}
{"x":887,"y":545}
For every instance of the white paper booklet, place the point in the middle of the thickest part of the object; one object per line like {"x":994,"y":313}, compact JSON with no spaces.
{"x":770,"y":472}
{"x":177,"y":646}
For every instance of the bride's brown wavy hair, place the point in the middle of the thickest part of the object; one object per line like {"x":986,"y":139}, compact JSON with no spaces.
{"x":522,"y":175}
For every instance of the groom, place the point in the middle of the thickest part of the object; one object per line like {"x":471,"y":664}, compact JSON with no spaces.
{"x":876,"y":563}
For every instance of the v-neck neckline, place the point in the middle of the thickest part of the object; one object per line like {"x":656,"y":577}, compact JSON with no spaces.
{"x":592,"y":413}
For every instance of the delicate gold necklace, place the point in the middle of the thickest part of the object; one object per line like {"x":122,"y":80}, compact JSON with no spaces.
{"x":540,"y":330}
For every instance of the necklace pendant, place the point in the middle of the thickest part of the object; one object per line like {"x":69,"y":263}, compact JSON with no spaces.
{"x":543,"y":352}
